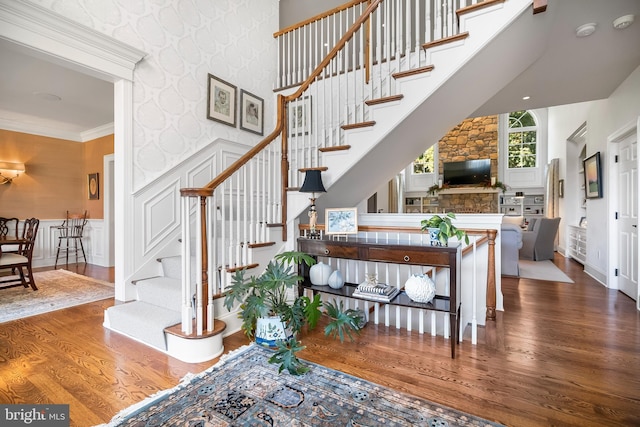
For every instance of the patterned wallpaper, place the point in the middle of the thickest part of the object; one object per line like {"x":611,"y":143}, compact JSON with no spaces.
{"x":184,"y":41}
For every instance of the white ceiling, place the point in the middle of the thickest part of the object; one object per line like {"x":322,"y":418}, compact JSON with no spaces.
{"x":570,"y":70}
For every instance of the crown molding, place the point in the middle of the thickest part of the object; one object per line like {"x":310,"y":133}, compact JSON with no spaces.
{"x":51,"y":132}
{"x":57,"y":37}
{"x":97,"y":132}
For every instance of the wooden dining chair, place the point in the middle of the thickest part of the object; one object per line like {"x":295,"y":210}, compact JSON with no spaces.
{"x":20,"y":260}
{"x":71,"y":232}
{"x":9,"y":227}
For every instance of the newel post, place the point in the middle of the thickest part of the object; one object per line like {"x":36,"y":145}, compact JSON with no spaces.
{"x":491,"y":276}
{"x":201,"y":214}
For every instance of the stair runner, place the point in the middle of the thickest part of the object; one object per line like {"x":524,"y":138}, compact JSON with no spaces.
{"x":157,"y":306}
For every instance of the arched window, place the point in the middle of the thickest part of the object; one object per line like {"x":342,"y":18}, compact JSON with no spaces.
{"x":522,"y":141}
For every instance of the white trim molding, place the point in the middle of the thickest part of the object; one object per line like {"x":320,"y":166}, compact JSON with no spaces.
{"x":56,"y":37}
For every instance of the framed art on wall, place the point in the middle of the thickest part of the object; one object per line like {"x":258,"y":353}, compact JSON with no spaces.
{"x":593,"y":177}
{"x":251,"y":112}
{"x":221,"y":101}
{"x":300,"y":116}
{"x":341,"y":221}
{"x":94,"y":186}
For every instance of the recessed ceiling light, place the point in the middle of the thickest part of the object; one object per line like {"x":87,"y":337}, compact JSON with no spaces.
{"x":47,"y":96}
{"x":586,"y":30}
{"x":526,"y":97}
{"x":623,"y":22}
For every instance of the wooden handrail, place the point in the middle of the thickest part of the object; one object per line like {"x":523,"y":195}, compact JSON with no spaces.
{"x":224,"y":175}
{"x":337,"y":48}
{"x":318,"y":17}
{"x":282,"y":114}
{"x":539,"y":6}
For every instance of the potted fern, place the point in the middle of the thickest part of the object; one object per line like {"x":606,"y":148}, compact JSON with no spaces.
{"x":264,"y":300}
{"x":441,"y":228}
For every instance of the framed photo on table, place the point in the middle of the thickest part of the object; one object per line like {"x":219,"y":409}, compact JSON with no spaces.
{"x":592,"y":177}
{"x":341,"y":221}
{"x":221,"y":101}
{"x":251,"y":112}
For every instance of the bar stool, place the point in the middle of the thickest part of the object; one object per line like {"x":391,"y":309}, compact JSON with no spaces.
{"x":71,"y":233}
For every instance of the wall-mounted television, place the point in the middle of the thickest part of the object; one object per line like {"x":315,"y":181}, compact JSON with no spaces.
{"x":467,"y":172}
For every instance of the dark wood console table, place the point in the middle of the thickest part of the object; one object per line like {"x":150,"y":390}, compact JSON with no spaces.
{"x":409,"y":253}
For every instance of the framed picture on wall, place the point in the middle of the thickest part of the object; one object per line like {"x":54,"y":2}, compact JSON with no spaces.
{"x":251,"y":112}
{"x":300,"y":116}
{"x":94,"y":186}
{"x":221,"y":101}
{"x":593,"y":177}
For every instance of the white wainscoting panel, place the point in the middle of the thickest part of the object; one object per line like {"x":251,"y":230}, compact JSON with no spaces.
{"x":162,"y":215}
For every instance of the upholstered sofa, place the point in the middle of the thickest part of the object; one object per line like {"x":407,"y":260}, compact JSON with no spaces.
{"x":511,"y":242}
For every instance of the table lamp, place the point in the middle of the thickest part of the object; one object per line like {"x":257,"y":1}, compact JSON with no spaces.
{"x":313,"y":184}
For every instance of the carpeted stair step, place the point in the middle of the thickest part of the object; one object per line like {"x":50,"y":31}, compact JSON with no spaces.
{"x":142,"y":321}
{"x":164,"y":292}
{"x":172,"y":267}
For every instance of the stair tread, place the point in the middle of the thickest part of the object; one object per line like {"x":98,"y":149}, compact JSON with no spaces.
{"x":143,"y":321}
{"x":446,"y":40}
{"x":358,"y":125}
{"x":413,"y":72}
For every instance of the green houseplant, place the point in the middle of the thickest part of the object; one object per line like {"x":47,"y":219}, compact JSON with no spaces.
{"x":443,"y":229}
{"x":266,"y":295}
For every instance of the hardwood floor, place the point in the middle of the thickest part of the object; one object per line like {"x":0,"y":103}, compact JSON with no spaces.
{"x":560,"y":354}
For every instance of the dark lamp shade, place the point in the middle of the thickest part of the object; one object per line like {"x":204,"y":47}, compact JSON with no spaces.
{"x":312,"y":182}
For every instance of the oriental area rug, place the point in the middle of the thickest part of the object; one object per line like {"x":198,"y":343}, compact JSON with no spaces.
{"x":57,"y":289}
{"x":244,"y":389}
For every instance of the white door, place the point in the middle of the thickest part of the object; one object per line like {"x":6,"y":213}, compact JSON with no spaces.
{"x":628,"y":217}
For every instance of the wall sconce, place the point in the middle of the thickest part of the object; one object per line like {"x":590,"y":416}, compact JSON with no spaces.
{"x":313,"y":184}
{"x":9,"y":171}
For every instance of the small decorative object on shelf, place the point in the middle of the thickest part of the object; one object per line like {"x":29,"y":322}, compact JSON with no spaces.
{"x":420,"y":288}
{"x":498,"y":184}
{"x":441,"y":229}
{"x":319,"y":274}
{"x":335,"y":280}
{"x":372,"y":290}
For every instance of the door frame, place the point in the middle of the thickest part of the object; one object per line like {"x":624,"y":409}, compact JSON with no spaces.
{"x":109,"y":197}
{"x":613,"y":148}
{"x":50,"y":36}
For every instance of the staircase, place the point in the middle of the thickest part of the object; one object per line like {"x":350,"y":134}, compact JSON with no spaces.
{"x":356,"y":111}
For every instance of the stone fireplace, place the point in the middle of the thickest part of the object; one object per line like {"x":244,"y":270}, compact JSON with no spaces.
{"x":475,"y":138}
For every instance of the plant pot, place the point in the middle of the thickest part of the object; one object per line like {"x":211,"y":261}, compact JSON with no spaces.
{"x":434,"y":237}
{"x":420,"y":288}
{"x":270,"y":330}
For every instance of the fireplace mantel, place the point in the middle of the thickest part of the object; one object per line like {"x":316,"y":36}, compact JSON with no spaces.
{"x":469,"y":190}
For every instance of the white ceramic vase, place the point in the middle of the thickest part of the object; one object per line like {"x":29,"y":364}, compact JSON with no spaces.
{"x":335,"y":280}
{"x":319,"y":274}
{"x":420,"y":288}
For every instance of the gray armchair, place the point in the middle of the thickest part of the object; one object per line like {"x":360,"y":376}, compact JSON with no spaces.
{"x":510,"y":244}
{"x":538,"y":244}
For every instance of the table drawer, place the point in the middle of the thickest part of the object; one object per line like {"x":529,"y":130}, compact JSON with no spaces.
{"x":328,"y":249}
{"x":408,"y":256}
